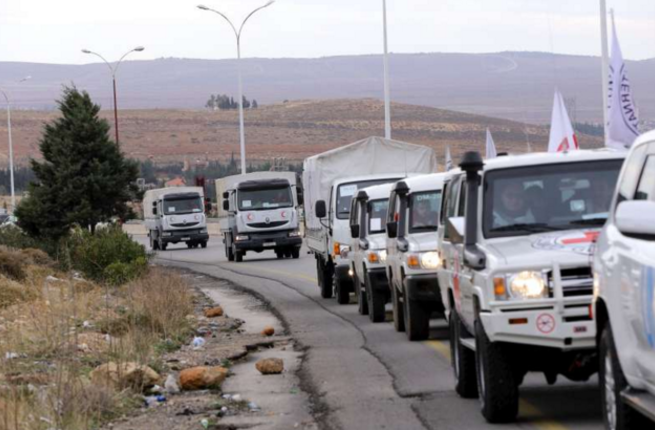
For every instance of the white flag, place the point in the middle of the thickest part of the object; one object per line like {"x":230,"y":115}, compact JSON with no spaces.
{"x":562,"y":136}
{"x":621,"y":111}
{"x":449,"y":160}
{"x":491,"y":146}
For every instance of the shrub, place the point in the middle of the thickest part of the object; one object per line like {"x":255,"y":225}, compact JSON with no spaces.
{"x":12,"y":265}
{"x":37,"y":257}
{"x":11,"y":293}
{"x":12,"y":236}
{"x":109,"y":255}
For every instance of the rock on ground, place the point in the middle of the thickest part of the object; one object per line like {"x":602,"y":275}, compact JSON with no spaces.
{"x":203,"y":377}
{"x":270,"y":366}
{"x":124,"y":375}
{"x":214,"y":312}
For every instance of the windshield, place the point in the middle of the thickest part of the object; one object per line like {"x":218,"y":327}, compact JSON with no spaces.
{"x":182,"y":205}
{"x":544,"y":198}
{"x":346,"y":192}
{"x":275,"y":198}
{"x":424,"y":211}
{"x":377,"y":213}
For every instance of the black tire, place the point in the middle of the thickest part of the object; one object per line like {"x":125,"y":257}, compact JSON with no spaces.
{"x":238,"y":256}
{"x":295,"y":253}
{"x":228,"y":250}
{"x":190,"y":245}
{"x":362,"y":301}
{"x":617,"y":415}
{"x":462,"y":359}
{"x":341,"y":291}
{"x":497,"y":386}
{"x":287,"y":253}
{"x":398,"y":310}
{"x":203,"y":244}
{"x":279,"y":255}
{"x":417,"y":319}
{"x":376,"y":302}
{"x":324,"y":279}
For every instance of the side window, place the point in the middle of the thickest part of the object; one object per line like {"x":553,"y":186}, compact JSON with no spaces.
{"x":396,"y":209}
{"x":461,"y":211}
{"x":632,"y":170}
{"x":444,"y":202}
{"x":391,"y":212}
{"x":646,"y":186}
{"x":354,"y":212}
{"x":451,"y":205}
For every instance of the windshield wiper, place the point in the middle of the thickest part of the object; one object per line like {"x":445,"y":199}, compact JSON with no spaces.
{"x":590,"y":221}
{"x":531,"y":228}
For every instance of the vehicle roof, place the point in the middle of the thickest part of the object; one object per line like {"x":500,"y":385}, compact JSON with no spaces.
{"x":377,"y":192}
{"x":541,"y":158}
{"x":645,"y":138}
{"x":433,"y":181}
{"x":352,"y":179}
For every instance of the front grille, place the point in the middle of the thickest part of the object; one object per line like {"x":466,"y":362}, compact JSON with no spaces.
{"x":575,"y":282}
{"x":269,"y":225}
{"x":188,"y":224}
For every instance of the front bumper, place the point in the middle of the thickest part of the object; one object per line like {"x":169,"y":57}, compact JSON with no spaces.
{"x":424,"y":288}
{"x":178,"y":236}
{"x":269,"y":240}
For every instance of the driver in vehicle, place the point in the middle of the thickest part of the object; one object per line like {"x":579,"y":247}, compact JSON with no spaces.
{"x":422,"y":215}
{"x":512,"y":206}
{"x":601,"y":196}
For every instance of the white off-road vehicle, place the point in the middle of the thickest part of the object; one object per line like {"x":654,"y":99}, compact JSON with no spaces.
{"x":624,"y":275}
{"x":517,"y":265}
{"x":367,"y":226}
{"x":412,"y":258}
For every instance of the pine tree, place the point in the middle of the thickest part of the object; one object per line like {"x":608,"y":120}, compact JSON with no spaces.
{"x":84,"y":178}
{"x":255,"y":105}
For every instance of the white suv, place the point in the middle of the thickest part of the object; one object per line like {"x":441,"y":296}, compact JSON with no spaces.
{"x":412,"y":258}
{"x":624,"y":289}
{"x":367,"y":225}
{"x":516,"y":269}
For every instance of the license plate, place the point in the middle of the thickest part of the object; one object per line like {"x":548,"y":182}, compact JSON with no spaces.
{"x":186,"y":238}
{"x":269,"y":244}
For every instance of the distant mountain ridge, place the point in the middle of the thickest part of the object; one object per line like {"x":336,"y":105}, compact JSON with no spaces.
{"x":510,"y":85}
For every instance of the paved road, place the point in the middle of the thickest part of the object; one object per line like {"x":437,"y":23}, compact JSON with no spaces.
{"x":367,"y":376}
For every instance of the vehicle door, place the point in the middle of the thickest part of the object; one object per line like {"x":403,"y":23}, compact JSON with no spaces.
{"x":357,"y":252}
{"x":464,"y":274}
{"x":636,"y":267}
{"x":450,"y":262}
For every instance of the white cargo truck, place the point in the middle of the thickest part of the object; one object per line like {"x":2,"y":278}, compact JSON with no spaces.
{"x":259,"y":212}
{"x":517,"y":254}
{"x":174,"y":215}
{"x":331,"y":180}
{"x":624,"y":291}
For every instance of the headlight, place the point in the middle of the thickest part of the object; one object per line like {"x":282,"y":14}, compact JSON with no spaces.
{"x":527,"y":285}
{"x":424,"y":260}
{"x":203,"y":230}
{"x":241,"y":237}
{"x":295,"y":233}
{"x":375,"y":257}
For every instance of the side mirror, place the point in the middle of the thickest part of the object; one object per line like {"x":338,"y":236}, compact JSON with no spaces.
{"x":226,"y":195}
{"x":354,"y":231}
{"x":636,"y":218}
{"x":226,"y":205}
{"x":154,"y":210}
{"x":320,"y":210}
{"x":455,"y":229}
{"x":392,"y":229}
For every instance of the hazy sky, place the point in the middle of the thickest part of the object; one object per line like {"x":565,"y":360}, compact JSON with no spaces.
{"x":54,"y":31}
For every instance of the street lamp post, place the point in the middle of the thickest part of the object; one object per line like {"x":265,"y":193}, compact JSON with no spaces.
{"x":237,"y":33}
{"x":11,"y":146}
{"x":387,"y":91}
{"x":114,"y":70}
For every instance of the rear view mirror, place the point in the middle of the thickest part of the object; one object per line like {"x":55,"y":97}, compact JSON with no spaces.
{"x":226,"y":195}
{"x":392,"y":229}
{"x":455,"y":229}
{"x":320,"y":210}
{"x":635,"y":218}
{"x":154,"y":210}
{"x":226,"y":205}
{"x":354,"y":231}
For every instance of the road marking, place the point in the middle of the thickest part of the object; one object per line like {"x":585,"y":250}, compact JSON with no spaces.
{"x":527,"y":409}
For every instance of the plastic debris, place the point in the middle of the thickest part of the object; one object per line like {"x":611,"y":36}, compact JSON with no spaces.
{"x":11,"y":355}
{"x":198,"y":342}
{"x":204,"y":423}
{"x":254,"y":407}
{"x":154,"y":400}
{"x":171,"y":384}
{"x":236,"y":397}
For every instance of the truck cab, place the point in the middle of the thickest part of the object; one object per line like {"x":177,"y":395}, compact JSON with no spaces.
{"x":368,"y":226}
{"x":412,"y":258}
{"x":260,"y":214}
{"x":517,"y":270}
{"x":175,"y":215}
{"x":624,"y":305}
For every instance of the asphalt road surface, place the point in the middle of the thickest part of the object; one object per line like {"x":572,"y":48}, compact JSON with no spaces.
{"x":367,"y":376}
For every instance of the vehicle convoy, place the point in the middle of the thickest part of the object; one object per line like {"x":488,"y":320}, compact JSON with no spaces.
{"x":516,"y":256}
{"x":174,"y":215}
{"x":368,"y":214}
{"x":331,"y":180}
{"x":412,"y":257}
{"x":259,"y":212}
{"x":624,"y":306}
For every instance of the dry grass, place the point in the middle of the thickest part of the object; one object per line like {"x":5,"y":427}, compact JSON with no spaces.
{"x":50,"y":339}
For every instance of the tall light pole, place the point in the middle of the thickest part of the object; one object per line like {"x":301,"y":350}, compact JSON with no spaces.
{"x":114,"y":70}
{"x":237,"y":33}
{"x":11,"y":146}
{"x":387,"y":91}
{"x":605,"y":66}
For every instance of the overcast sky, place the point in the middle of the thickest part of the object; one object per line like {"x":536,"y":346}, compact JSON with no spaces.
{"x":54,"y":31}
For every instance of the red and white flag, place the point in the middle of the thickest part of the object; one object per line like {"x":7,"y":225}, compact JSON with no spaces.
{"x":623,"y":122}
{"x":562,"y":136}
